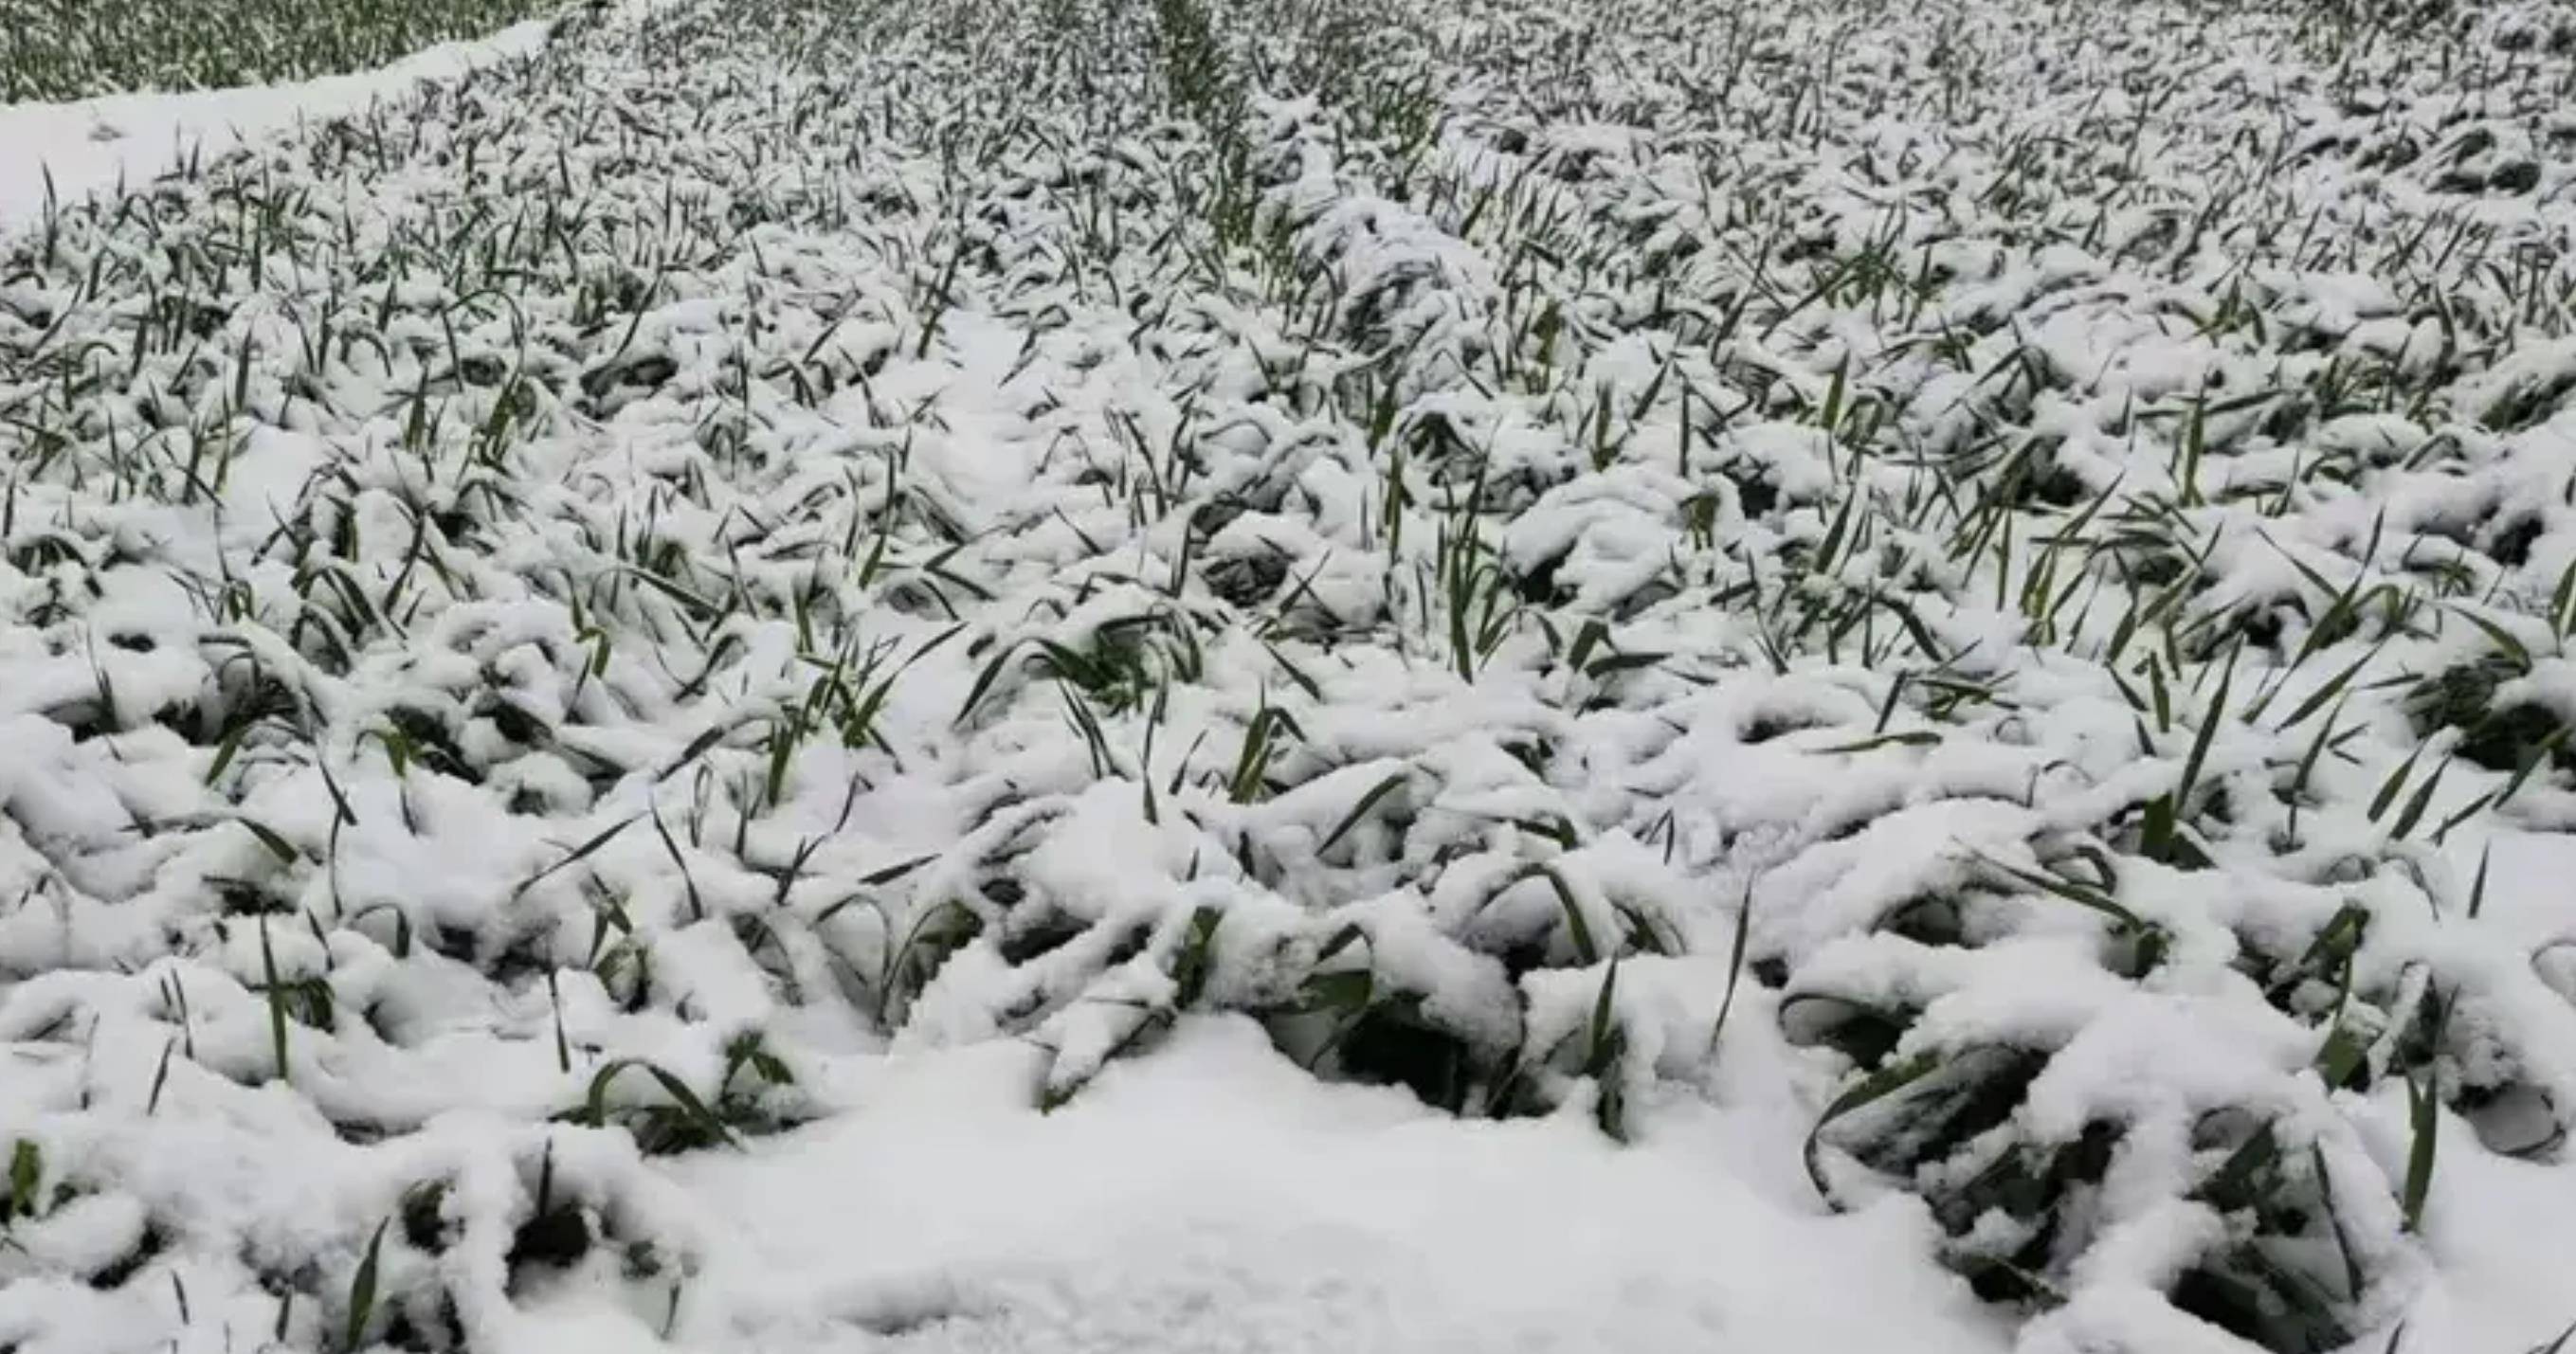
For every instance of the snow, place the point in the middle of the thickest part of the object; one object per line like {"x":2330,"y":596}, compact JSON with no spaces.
{"x":1215,"y":1197}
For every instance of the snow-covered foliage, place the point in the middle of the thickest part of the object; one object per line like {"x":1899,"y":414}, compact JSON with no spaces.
{"x":1993,"y":578}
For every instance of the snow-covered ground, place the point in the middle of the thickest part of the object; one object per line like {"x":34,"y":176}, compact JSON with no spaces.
{"x":1270,"y":675}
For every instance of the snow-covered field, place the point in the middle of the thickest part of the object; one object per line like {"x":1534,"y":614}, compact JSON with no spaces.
{"x":63,"y":152}
{"x":73,"y":49}
{"x":1281,"y":675}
